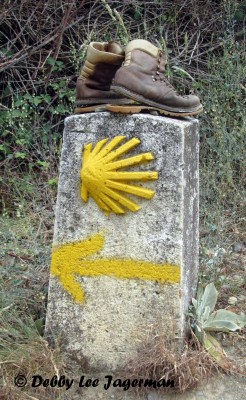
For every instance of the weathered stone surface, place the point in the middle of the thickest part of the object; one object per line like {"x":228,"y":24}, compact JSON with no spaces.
{"x":104,"y":332}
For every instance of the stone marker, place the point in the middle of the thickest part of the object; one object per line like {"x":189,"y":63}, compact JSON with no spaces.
{"x":125,"y":257}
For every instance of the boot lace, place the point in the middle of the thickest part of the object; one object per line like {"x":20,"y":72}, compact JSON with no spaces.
{"x":159,"y":74}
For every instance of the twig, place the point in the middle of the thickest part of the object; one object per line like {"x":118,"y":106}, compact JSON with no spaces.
{"x":20,"y":257}
{"x":62,"y":28}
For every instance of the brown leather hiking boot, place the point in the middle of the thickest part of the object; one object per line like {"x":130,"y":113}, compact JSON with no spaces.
{"x":93,"y":84}
{"x":142,"y":78}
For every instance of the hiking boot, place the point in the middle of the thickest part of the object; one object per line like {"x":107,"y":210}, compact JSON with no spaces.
{"x":93,"y":84}
{"x":142,"y":78}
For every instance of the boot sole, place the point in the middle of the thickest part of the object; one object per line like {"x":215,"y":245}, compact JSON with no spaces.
{"x":148,"y":105}
{"x":99,"y":105}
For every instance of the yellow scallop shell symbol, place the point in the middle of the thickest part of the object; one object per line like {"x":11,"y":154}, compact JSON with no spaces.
{"x":103,"y":178}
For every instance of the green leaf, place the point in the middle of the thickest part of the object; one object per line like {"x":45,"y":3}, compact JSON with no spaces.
{"x":199,"y":294}
{"x":224,"y":321}
{"x":27,"y":96}
{"x":47,"y":98}
{"x":61,"y":109}
{"x":194,"y":302}
{"x":19,"y":102}
{"x":53,"y":182}
{"x":52,"y":110}
{"x":20,"y":141}
{"x":209,"y":298}
{"x":43,"y":164}
{"x":37,"y":100}
{"x":206,"y":314}
{"x":16,"y":113}
{"x":137,"y":15}
{"x":20,"y":155}
{"x":51,"y":61}
{"x":39,"y":324}
{"x":60,"y":63}
{"x":215,"y":350}
{"x":212,"y":346}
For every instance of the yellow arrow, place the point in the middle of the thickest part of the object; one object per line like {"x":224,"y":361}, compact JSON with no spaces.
{"x":73,"y":259}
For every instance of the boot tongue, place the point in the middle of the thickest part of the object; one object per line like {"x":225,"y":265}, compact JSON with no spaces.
{"x":114,"y":47}
{"x":140,"y":44}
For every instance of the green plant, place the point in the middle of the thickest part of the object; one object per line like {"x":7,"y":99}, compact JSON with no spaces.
{"x":205,"y":320}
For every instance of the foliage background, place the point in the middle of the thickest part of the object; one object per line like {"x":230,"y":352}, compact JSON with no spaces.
{"x":42,"y":47}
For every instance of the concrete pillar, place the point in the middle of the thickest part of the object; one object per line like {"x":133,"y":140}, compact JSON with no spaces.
{"x":125,"y":255}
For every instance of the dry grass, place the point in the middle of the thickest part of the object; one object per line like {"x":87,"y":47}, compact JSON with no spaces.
{"x":161,"y":358}
{"x":28,"y":357}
